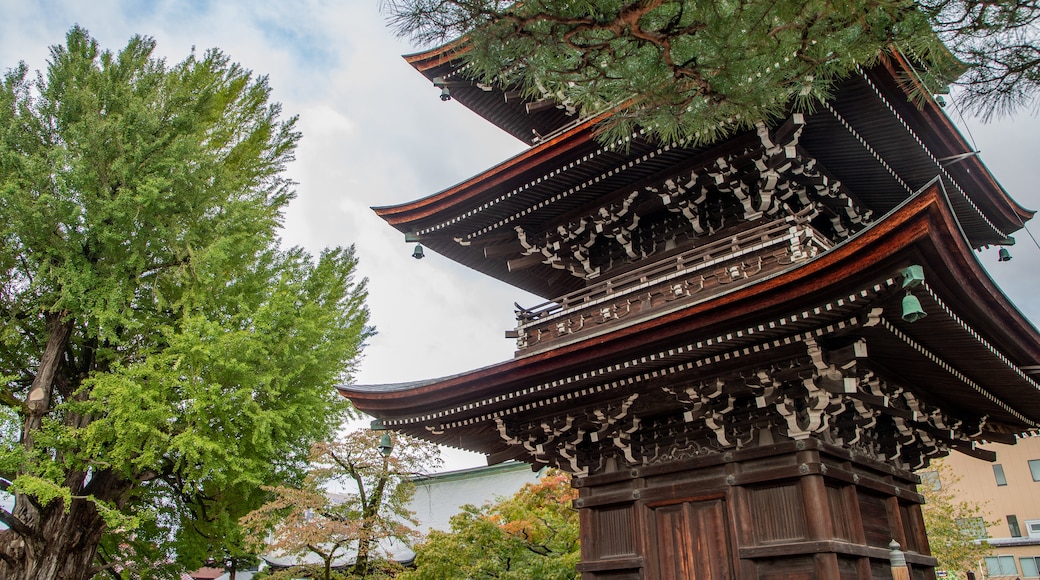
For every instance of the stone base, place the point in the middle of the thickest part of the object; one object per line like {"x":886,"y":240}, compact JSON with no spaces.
{"x":797,"y":510}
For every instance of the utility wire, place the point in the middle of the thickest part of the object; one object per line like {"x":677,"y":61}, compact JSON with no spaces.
{"x":975,"y":147}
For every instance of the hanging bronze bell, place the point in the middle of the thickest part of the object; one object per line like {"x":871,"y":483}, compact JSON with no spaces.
{"x":386,"y":446}
{"x":912,"y":311}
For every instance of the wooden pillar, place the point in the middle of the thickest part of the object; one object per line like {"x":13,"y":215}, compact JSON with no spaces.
{"x":819,"y":517}
{"x":895,"y":518}
{"x":855,"y":523}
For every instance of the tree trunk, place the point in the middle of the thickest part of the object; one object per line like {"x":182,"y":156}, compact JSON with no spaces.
{"x":59,"y":544}
{"x":38,"y":403}
{"x":56,"y":541}
{"x":50,"y":542}
{"x":63,"y":546}
{"x":370,"y":511}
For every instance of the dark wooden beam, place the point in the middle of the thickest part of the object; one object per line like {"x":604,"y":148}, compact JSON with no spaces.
{"x":525,"y":262}
{"x":995,"y":437}
{"x":513,"y":453}
{"x":539,"y":105}
{"x":976,"y":452}
{"x":499,"y":250}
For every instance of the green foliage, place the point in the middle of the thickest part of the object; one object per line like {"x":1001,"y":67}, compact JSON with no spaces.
{"x":162,"y":356}
{"x":951,"y":524}
{"x":533,"y":534}
{"x":695,"y":71}
{"x":378,"y":570}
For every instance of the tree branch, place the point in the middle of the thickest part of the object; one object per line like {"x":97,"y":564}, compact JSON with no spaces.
{"x":17,"y":526}
{"x":59,"y":328}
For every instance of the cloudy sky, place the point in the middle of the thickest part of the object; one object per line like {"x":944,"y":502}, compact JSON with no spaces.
{"x":375,"y":133}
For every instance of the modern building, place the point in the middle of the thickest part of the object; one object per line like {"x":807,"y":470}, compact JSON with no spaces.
{"x":438,"y":497}
{"x":1008,"y":491}
{"x":441,"y":495}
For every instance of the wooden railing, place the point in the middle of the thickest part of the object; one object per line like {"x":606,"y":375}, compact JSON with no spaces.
{"x":723,"y":261}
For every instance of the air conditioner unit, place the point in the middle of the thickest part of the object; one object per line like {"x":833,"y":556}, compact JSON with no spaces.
{"x":1033,"y":528}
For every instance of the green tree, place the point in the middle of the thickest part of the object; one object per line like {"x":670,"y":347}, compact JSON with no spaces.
{"x":312,"y":519}
{"x":533,"y":534}
{"x":953,"y":524}
{"x":160,"y":356}
{"x":696,"y":70}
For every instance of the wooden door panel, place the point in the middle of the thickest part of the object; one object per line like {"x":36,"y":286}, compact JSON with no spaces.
{"x":692,"y":541}
{"x":672,"y":543}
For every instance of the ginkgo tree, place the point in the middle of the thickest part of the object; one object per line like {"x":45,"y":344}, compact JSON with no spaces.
{"x":161,"y":355}
{"x":355,"y":495}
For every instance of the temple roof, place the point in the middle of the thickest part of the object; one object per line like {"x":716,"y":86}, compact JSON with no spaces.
{"x":526,"y":119}
{"x":974,"y":352}
{"x":869,"y":137}
{"x":755,"y":285}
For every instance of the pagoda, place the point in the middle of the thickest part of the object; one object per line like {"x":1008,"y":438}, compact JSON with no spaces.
{"x":745,"y":348}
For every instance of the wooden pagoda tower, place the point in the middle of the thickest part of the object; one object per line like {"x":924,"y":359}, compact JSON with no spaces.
{"x":746,"y":348}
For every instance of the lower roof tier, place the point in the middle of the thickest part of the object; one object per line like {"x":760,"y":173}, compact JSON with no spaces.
{"x":828,"y":347}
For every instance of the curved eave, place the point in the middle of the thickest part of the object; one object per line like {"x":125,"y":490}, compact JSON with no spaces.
{"x":503,"y":106}
{"x":557,"y":178}
{"x":405,"y":216}
{"x":438,"y":55}
{"x":922,"y":229}
{"x":947,"y":141}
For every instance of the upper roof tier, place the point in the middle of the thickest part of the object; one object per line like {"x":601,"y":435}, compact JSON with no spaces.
{"x":569,"y":210}
{"x":527,"y":120}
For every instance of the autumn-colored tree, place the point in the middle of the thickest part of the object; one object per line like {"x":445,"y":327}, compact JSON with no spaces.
{"x":354,"y":496}
{"x":682,"y":69}
{"x":158,"y":346}
{"x":532,"y":534}
{"x":953,"y":524}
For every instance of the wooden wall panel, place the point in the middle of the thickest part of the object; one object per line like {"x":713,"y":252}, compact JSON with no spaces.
{"x":796,"y":568}
{"x":876,"y":528}
{"x":848,"y":569}
{"x":616,"y":532}
{"x":619,"y":575}
{"x":913,"y":521}
{"x":777,"y":514}
{"x":882,"y":572}
{"x":672,"y":539}
{"x":842,"y":516}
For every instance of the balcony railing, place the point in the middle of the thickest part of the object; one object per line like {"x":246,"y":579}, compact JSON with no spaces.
{"x":687,"y":277}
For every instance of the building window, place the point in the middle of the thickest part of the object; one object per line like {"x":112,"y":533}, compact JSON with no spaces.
{"x":1001,"y":566}
{"x":1034,"y":469}
{"x":972,"y":527}
{"x":930,"y":480}
{"x":1012,"y":521}
{"x":1030,"y":569}
{"x":998,"y":473}
{"x":1033,"y":528}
